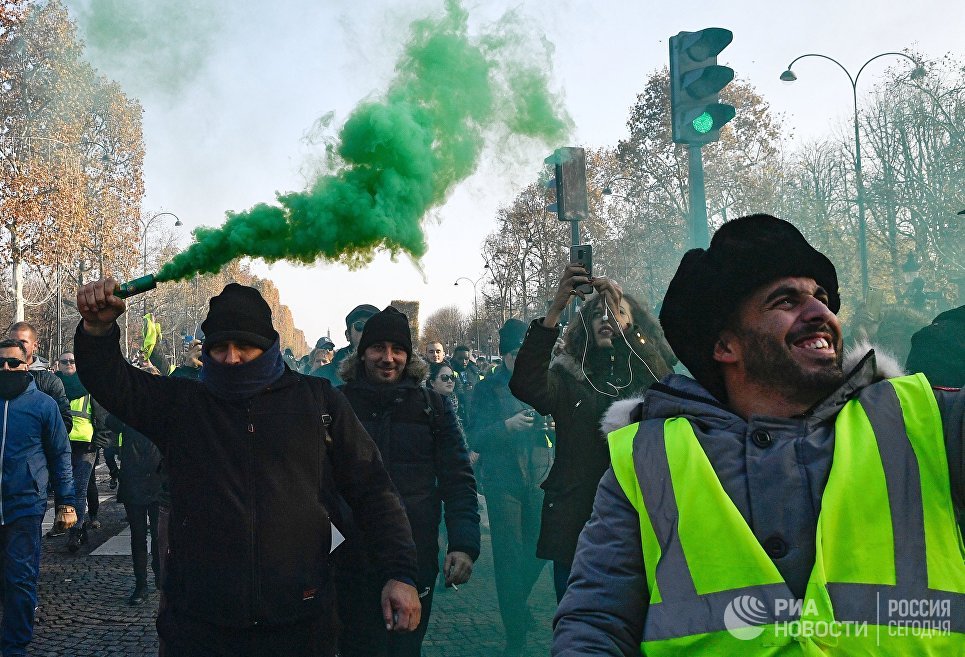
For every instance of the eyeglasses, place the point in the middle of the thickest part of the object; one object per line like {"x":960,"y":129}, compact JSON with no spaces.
{"x":12,"y":363}
{"x":359,"y":325}
{"x":447,"y":378}
{"x":66,"y":361}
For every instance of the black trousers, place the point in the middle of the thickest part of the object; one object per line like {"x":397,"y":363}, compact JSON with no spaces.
{"x":141,"y":517}
{"x":363,"y":631}
{"x":190,"y":637}
{"x":514,"y":522}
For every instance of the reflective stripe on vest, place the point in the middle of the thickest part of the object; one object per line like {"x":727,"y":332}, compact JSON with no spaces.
{"x":888,"y":578}
{"x":83,"y":428}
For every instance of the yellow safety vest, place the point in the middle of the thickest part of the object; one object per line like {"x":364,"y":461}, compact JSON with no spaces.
{"x":82,"y":414}
{"x":889,"y":571}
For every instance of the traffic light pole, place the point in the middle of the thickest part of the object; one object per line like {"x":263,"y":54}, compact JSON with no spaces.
{"x":699,"y":235}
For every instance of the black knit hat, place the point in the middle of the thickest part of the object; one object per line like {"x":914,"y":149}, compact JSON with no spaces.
{"x":710,"y":285}
{"x":511,"y":335}
{"x":239,"y":313}
{"x":389,"y":325}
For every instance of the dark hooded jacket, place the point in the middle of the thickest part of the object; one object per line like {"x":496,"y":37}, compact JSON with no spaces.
{"x":561,"y":389}
{"x":251,"y":484}
{"x":426,"y":456}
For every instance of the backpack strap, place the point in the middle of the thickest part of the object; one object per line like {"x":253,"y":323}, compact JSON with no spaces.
{"x":324,"y":418}
{"x":435,"y":409}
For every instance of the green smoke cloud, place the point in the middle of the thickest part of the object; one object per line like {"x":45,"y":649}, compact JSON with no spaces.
{"x":399,"y":156}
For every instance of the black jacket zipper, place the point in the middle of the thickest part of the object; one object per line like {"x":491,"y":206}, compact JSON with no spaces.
{"x":252,"y":516}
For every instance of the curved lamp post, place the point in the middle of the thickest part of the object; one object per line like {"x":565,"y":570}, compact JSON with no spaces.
{"x":917,"y":73}
{"x":475,"y":305}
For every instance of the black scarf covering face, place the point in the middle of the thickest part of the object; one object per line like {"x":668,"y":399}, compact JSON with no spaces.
{"x":237,"y":382}
{"x":12,"y":384}
{"x":72,"y":385}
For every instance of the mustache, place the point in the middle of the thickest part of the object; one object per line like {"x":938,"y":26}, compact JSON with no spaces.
{"x":823,"y":328}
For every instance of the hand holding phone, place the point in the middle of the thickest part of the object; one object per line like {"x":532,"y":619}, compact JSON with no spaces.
{"x":582,"y":255}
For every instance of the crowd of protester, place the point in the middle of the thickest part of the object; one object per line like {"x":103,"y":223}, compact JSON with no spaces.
{"x":304,"y":506}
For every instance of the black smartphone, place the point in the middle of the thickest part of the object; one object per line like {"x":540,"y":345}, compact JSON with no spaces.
{"x":582,"y":254}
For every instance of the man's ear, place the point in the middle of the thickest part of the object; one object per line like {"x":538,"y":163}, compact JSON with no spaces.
{"x":727,"y":349}
{"x":348,"y":334}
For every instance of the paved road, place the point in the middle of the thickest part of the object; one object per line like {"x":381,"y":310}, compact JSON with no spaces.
{"x":84,"y":612}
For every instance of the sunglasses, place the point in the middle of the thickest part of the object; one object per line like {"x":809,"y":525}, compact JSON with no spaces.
{"x":12,"y":363}
{"x":359,"y":325}
{"x":66,"y":361}
{"x":448,"y":378}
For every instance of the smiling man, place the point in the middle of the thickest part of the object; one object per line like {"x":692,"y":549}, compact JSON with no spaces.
{"x":418,"y":436}
{"x":257,"y":457}
{"x":783,"y":496}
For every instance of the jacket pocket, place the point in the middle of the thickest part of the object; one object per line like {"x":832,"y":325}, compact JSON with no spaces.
{"x":37,"y":470}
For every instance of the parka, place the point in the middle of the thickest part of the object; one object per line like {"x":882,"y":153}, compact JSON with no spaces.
{"x":252,"y":483}
{"x":419,"y":438}
{"x":776,"y":485}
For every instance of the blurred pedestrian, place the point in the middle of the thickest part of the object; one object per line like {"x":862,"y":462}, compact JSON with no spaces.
{"x":87,"y":435}
{"x":140,"y":488}
{"x":354,"y":323}
{"x":515,"y":455}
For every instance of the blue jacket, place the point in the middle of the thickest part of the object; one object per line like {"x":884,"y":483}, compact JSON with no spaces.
{"x":33,"y":443}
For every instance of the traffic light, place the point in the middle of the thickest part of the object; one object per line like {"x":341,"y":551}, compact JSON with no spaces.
{"x":695,"y":83}
{"x":569,"y":165}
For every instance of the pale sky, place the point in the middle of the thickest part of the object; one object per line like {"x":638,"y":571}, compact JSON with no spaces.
{"x":234,"y":137}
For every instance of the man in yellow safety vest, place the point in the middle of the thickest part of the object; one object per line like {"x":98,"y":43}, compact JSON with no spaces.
{"x":785,"y":500}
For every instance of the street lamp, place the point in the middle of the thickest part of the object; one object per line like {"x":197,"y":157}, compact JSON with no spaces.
{"x":606,"y":186}
{"x":917,"y":73}
{"x":475,"y":304}
{"x":146,"y":225}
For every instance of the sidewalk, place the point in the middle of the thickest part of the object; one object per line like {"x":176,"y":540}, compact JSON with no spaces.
{"x":84,"y":613}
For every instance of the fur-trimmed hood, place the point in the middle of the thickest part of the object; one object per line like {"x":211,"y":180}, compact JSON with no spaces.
{"x":864,"y":362}
{"x":351,"y":368}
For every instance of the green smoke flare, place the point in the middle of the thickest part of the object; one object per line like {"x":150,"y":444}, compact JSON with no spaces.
{"x":401,"y":155}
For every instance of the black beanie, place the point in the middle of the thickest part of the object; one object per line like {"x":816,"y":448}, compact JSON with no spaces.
{"x":388,"y":325}
{"x":239,"y":313}
{"x":710,"y":285}
{"x":511,"y":335}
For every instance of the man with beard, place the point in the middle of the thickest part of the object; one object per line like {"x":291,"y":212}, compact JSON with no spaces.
{"x":785,"y":498}
{"x":419,"y":437}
